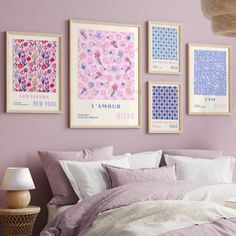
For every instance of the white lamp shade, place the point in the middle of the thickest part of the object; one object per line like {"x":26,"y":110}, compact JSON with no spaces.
{"x":16,"y":178}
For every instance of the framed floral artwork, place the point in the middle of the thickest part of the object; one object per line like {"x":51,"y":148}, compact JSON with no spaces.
{"x":164,"y":107}
{"x":164,"y":47}
{"x":209,"y":80}
{"x":104,"y":75}
{"x":33,"y":72}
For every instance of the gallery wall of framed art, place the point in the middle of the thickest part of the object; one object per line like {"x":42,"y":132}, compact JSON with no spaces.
{"x":105,"y":75}
{"x":34,"y":72}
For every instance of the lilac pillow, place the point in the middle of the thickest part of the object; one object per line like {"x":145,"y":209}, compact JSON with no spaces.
{"x":120,"y":176}
{"x":63,"y":193}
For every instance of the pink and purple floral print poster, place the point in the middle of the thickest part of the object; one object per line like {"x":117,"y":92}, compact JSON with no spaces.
{"x":33,"y":73}
{"x":104,"y":75}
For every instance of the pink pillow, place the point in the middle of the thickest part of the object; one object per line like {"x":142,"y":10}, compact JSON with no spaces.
{"x":63,"y":193}
{"x":120,"y":176}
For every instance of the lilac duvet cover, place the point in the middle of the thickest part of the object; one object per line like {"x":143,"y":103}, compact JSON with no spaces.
{"x":79,"y":219}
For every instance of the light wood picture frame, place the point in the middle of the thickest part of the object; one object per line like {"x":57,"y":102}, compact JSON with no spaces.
{"x":105,"y":75}
{"x":164,"y":47}
{"x":164,"y":107}
{"x":209,"y":79}
{"x":33,"y":72}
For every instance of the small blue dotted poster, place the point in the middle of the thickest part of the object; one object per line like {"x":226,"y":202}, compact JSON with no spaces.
{"x":164,"y":48}
{"x":165,"y":103}
{"x":164,"y":43}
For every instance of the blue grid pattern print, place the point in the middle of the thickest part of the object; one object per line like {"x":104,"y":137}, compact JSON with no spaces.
{"x":210,"y":73}
{"x":165,"y":103}
{"x":164,"y":43}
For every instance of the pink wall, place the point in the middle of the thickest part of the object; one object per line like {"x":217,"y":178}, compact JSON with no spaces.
{"x":21,"y":135}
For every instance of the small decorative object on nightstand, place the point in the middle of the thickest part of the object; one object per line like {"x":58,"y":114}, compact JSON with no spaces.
{"x":231,"y":203}
{"x":17,"y":182}
{"x":18,"y":222}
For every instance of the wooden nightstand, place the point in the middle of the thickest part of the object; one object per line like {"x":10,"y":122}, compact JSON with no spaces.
{"x":18,"y":221}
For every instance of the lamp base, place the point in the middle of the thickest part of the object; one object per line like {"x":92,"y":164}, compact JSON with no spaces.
{"x":17,"y":199}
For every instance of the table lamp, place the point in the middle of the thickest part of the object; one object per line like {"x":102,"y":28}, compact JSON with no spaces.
{"x":17,"y":182}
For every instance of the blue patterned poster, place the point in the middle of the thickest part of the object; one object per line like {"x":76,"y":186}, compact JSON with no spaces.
{"x":209,"y":79}
{"x":164,"y":47}
{"x":164,"y":107}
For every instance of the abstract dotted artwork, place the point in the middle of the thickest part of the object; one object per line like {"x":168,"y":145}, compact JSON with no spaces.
{"x":164,"y":43}
{"x":164,"y":47}
{"x":209,"y":79}
{"x":210,"y":72}
{"x":165,"y":103}
{"x":164,"y":107}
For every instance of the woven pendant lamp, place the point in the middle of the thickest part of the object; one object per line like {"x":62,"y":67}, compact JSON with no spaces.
{"x":222,"y":14}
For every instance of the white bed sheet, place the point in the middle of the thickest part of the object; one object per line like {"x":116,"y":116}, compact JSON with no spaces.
{"x":54,"y":210}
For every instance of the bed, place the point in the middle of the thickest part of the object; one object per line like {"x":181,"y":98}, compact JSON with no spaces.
{"x":190,"y":197}
{"x":54,"y":210}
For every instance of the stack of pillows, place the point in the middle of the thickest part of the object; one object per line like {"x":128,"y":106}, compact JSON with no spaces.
{"x":75,"y":176}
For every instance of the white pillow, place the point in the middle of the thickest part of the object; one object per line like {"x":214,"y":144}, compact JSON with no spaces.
{"x":215,"y":170}
{"x":89,"y":178}
{"x":144,"y":159}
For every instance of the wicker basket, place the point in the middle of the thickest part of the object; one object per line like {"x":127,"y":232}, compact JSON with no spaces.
{"x":18,"y":222}
{"x":222,"y":14}
{"x":18,"y":225}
